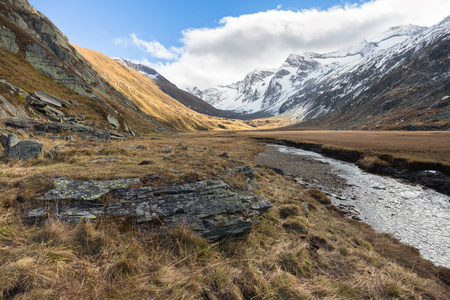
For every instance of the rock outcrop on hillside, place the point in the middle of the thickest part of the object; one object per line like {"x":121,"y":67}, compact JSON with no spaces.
{"x":26,"y":30}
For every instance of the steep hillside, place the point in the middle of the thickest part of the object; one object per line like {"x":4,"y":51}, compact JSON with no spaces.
{"x":37,"y":59}
{"x":35,"y":56}
{"x":145,"y":93}
{"x":185,"y":98}
{"x":398,"y":79}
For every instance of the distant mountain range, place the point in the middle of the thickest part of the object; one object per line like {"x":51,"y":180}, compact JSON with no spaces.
{"x":397,"y":79}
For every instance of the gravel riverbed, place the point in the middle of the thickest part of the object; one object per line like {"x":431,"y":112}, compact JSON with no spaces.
{"x":416,"y":215}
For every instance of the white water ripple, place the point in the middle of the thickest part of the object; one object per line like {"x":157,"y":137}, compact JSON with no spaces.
{"x":415,"y":215}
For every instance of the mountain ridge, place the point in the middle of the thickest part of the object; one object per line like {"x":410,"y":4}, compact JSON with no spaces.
{"x":311,"y":85}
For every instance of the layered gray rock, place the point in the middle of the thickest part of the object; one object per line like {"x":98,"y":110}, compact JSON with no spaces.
{"x":25,"y":150}
{"x":88,"y":190}
{"x":7,"y":109}
{"x":10,"y":141}
{"x":113,"y":121}
{"x":8,"y":40}
{"x":210,"y":208}
{"x":22,"y":150}
{"x":84,"y":131}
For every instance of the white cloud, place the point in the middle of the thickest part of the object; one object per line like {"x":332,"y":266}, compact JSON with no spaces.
{"x":156,"y":49}
{"x":225,"y":54}
{"x":123,"y":42}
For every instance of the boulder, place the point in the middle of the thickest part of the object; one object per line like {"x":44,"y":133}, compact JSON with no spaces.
{"x":10,"y":141}
{"x":210,"y":207}
{"x":25,"y":150}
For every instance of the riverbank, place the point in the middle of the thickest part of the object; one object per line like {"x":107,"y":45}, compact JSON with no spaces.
{"x":422,"y":158}
{"x":415,"y":215}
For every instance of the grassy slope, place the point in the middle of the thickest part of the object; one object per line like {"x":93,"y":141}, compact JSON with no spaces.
{"x":275,"y":261}
{"x":143,"y":91}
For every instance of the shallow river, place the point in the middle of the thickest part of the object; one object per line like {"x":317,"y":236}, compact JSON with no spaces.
{"x":415,"y":215}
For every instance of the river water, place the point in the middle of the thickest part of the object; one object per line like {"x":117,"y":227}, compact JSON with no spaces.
{"x":415,"y":215}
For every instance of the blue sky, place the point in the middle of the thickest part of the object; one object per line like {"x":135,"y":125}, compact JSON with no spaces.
{"x":205,"y":43}
{"x":95,"y":24}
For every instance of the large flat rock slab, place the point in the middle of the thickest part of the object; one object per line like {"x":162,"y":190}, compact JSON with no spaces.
{"x":210,"y":208}
{"x":87,"y":190}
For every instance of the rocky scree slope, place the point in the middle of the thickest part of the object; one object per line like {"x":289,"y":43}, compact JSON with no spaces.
{"x":398,"y":79}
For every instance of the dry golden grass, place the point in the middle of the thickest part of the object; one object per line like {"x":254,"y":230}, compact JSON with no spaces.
{"x":432,"y":146}
{"x":150,"y":99}
{"x":301,"y":249}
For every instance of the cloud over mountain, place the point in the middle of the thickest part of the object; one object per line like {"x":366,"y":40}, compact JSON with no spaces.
{"x":224,"y":54}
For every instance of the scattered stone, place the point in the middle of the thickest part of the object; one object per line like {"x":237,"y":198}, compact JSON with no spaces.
{"x":225,"y":154}
{"x":113,"y":121}
{"x":141,"y":147}
{"x":167,"y":150}
{"x":104,"y":160}
{"x":213,"y":151}
{"x":210,"y":208}
{"x":176,"y":171}
{"x":70,"y":138}
{"x":146,"y":162}
{"x":56,"y":150}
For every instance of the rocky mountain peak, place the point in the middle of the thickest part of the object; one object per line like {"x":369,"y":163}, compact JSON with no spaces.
{"x":316,"y":86}
{"x":146,"y":70}
{"x":258,"y":75}
{"x":297,"y":61}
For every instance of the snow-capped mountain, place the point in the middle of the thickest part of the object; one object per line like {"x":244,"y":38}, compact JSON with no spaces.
{"x":143,"y":69}
{"x":315,"y":85}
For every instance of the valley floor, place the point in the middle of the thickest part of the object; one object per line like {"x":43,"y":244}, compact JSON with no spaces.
{"x":301,"y":249}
